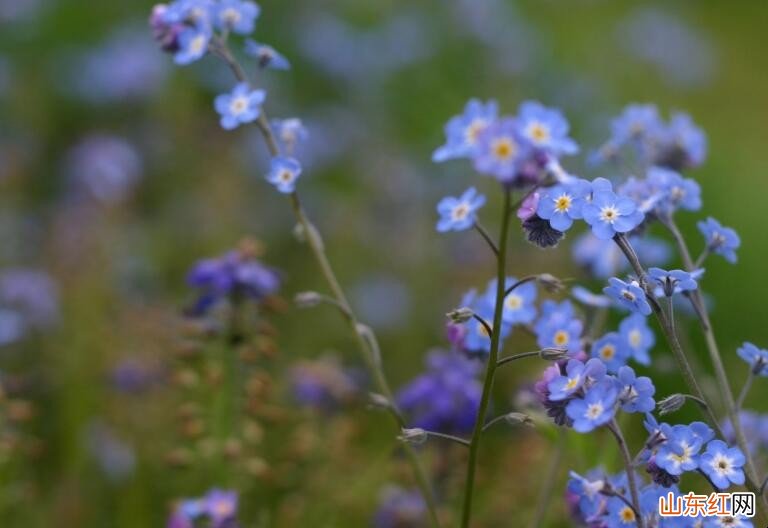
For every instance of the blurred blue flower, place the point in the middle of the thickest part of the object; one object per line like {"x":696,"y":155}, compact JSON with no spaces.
{"x":192,"y":44}
{"x":323,"y":384}
{"x":266,"y":56}
{"x":603,"y":259}
{"x":611,"y":350}
{"x":519,"y":304}
{"x":283,"y":174}
{"x":587,"y":298}
{"x":28,"y":302}
{"x":577,"y":374}
{"x":233,"y":275}
{"x":608,"y":213}
{"x":545,"y":128}
{"x":637,"y":337}
{"x":501,"y":150}
{"x":462,"y":133}
{"x":105,"y":167}
{"x":238,"y":16}
{"x":458,"y":214}
{"x":756,"y":358}
{"x":559,"y":327}
{"x":721,"y":240}
{"x":241,"y":106}
{"x":446,"y":397}
{"x":722,"y":464}
{"x":400,"y":508}
{"x":628,"y":295}
{"x":674,"y":192}
{"x":595,"y":409}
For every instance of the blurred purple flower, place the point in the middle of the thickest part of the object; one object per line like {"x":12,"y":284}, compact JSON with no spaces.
{"x":29,"y":301}
{"x":323,"y":384}
{"x":400,"y":508}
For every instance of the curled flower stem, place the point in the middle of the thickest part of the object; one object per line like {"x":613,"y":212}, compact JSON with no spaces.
{"x":317,"y":247}
{"x":549,"y":483}
{"x":613,"y":426}
{"x":745,"y":390}
{"x":492,"y":363}
{"x":488,"y":327}
{"x":452,"y":438}
{"x":484,"y":233}
{"x":515,"y":357}
{"x":519,"y":283}
{"x":722,"y":379}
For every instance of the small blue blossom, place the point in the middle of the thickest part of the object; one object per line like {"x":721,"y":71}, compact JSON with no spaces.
{"x":446,"y":397}
{"x":458,"y":214}
{"x":619,"y":515}
{"x":675,"y":192}
{"x":611,"y":350}
{"x":635,"y":393}
{"x":628,"y":295}
{"x":193,"y":44}
{"x":577,"y":374}
{"x":686,"y":143}
{"x":477,"y":339}
{"x":562,"y":204}
{"x":283,"y":174}
{"x":559,"y":327}
{"x":636,"y":122}
{"x":722,"y":464}
{"x":727,"y":521}
{"x":679,"y":453}
{"x":545,"y":128}
{"x":519,"y":304}
{"x":597,"y":407}
{"x":266,"y":56}
{"x":608,"y":214}
{"x":238,"y":16}
{"x":289,"y":132}
{"x":671,"y":282}
{"x":756,"y":358}
{"x":587,"y":298}
{"x":638,"y":337}
{"x":221,"y":507}
{"x":721,"y":240}
{"x":463,"y":131}
{"x":501,"y":150}
{"x":241,"y":106}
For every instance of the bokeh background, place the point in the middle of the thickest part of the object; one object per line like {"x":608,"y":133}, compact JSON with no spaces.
{"x":115,"y":178}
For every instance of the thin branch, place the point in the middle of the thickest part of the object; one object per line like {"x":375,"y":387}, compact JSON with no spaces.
{"x":515,"y":357}
{"x":484,"y":233}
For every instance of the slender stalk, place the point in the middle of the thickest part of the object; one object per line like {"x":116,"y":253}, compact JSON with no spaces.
{"x":549,"y":483}
{"x":519,"y":283}
{"x":488,"y":328}
{"x":492,"y":363}
{"x":515,"y":357}
{"x":613,"y":426}
{"x":484,"y":233}
{"x":745,"y":390}
{"x":700,"y":261}
{"x":722,"y":379}
{"x":452,"y":438}
{"x":317,"y":248}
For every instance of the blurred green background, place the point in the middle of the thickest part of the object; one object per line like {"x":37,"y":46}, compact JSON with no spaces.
{"x":374,"y":81}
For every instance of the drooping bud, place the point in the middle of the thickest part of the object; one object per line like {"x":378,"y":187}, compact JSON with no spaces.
{"x":307,"y":299}
{"x":550,"y":282}
{"x":416,"y":436}
{"x":553,"y":354}
{"x":516,"y":418}
{"x":460,"y":315}
{"x":671,"y":404}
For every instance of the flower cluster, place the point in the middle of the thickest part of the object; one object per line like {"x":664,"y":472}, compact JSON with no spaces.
{"x":217,"y":507}
{"x":446,"y":397}
{"x":233,"y":276}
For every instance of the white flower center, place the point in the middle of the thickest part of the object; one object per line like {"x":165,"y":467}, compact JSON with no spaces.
{"x":635,"y":338}
{"x":504,"y":149}
{"x":538,"y":132}
{"x":722,"y":465}
{"x":460,"y":212}
{"x":609,"y":214}
{"x":594,"y":411}
{"x":197,"y":44}
{"x":514,"y":302}
{"x":563,"y":203}
{"x":472,"y":132}
{"x":231,"y":15}
{"x":238,"y":105}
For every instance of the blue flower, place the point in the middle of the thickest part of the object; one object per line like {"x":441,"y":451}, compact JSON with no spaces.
{"x":562,"y":204}
{"x":545,"y":128}
{"x":289,"y":132}
{"x":501,"y":150}
{"x":238,"y":16}
{"x":193,"y":44}
{"x":608,"y":214}
{"x":266,"y":56}
{"x":727,"y":521}
{"x":685,"y":144}
{"x":757,"y":358}
{"x":558,"y":327}
{"x":671,"y":282}
{"x":283,"y":173}
{"x":597,"y":407}
{"x":463,"y":131}
{"x":519,"y":304}
{"x":723,"y":464}
{"x":477,"y":339}
{"x":242,"y":105}
{"x":628,"y":295}
{"x":635,"y":393}
{"x":577,"y":374}
{"x":221,"y":507}
{"x":620,"y":514}
{"x":636,"y":122}
{"x":446,"y":397}
{"x":679,"y":453}
{"x":587,"y":298}
{"x":721,"y":240}
{"x":674,"y":192}
{"x":611,"y":350}
{"x":458,"y":214}
{"x":603,"y":259}
{"x":638,"y":337}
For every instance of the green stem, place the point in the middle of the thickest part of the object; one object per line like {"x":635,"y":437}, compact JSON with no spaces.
{"x":484,"y":233}
{"x":722,"y":379}
{"x":362,"y":338}
{"x":492,"y":363}
{"x":745,"y":390}
{"x":613,"y":426}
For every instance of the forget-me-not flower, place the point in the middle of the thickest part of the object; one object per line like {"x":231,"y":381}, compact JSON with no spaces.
{"x":500,"y":150}
{"x":608,"y":214}
{"x":635,"y":392}
{"x":242,"y":105}
{"x":458,"y":214}
{"x":597,"y":407}
{"x":562,"y":204}
{"x":577,"y":374}
{"x":638,"y":337}
{"x":674,"y":281}
{"x":757,"y":358}
{"x":545,"y":128}
{"x":723,"y":464}
{"x":721,"y":240}
{"x":238,"y":16}
{"x":266,"y":56}
{"x":519,"y":304}
{"x":462,"y":132}
{"x":610,"y":350}
{"x":283,"y":173}
{"x":628,"y":294}
{"x":193,"y":44}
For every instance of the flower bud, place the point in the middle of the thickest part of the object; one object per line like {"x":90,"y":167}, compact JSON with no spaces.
{"x":307,"y":299}
{"x":416,"y":436}
{"x":460,"y":315}
{"x":516,"y":418}
{"x":671,"y":404}
{"x":379,"y":401}
{"x":551,"y":283}
{"x":553,"y":354}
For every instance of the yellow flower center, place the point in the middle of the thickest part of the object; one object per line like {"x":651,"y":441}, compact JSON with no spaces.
{"x":563,"y":203}
{"x":572,"y":383}
{"x":538,"y":132}
{"x":514,"y":302}
{"x":607,"y":352}
{"x":504,"y":148}
{"x":627,"y":515}
{"x":561,"y":338}
{"x":609,"y":214}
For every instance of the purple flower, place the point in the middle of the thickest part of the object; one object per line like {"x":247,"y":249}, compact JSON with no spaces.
{"x":221,"y":507}
{"x":400,"y":508}
{"x":323,"y":384}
